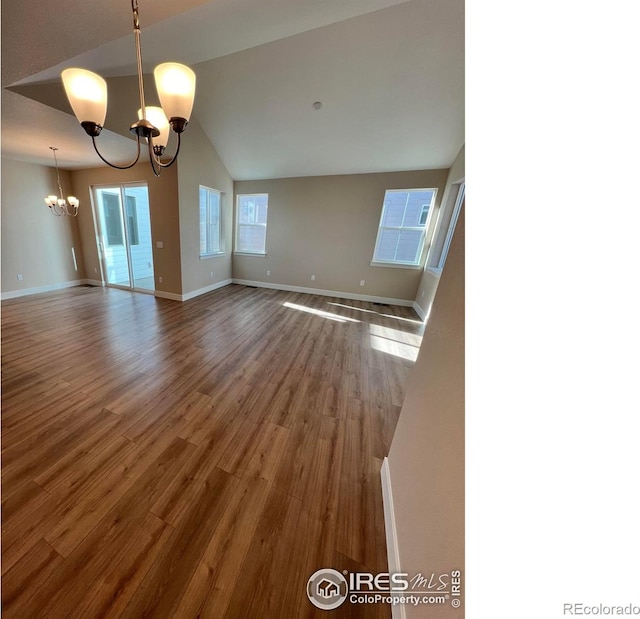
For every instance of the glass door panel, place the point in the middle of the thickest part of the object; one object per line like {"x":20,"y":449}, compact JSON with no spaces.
{"x":114,"y":250}
{"x":136,"y":199}
{"x":125,"y":235}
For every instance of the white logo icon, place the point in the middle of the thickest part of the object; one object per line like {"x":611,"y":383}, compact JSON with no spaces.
{"x":327,"y":589}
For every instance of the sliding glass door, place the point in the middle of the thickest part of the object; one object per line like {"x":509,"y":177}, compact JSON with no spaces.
{"x":124,"y":233}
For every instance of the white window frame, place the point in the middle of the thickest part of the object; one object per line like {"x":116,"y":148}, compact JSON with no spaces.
{"x":398,"y":264}
{"x":244,"y":252}
{"x":452,"y":226}
{"x":445,"y":227}
{"x":208,"y":253}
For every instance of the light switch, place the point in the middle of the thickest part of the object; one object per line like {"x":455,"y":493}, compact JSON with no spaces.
{"x":159,"y":244}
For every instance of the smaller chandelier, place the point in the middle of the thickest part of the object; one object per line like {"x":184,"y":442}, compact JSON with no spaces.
{"x":175,"y":84}
{"x":58,"y":205}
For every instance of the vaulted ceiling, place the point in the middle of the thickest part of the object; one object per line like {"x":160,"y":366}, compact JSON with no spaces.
{"x":389,"y":74}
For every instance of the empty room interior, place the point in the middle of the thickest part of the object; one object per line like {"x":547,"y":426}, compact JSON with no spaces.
{"x":232,"y":308}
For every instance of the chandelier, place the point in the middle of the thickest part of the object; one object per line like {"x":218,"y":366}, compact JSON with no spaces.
{"x":175,"y":83}
{"x":58,"y":205}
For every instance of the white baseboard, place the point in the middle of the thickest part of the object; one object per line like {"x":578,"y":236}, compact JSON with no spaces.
{"x":244,"y":282}
{"x":168,"y":295}
{"x":197,"y":293}
{"x":393,"y":554}
{"x":38,"y":289}
{"x":418,"y":310}
{"x":326,"y":293}
{"x":96,"y":282}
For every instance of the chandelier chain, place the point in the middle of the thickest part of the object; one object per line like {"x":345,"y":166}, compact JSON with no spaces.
{"x":55,"y":158}
{"x":136,"y":32}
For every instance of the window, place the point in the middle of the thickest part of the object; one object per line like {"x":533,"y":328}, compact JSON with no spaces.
{"x":251,"y":223}
{"x":209,"y":222}
{"x":445,"y":227}
{"x":452,"y":226}
{"x":403,"y":225}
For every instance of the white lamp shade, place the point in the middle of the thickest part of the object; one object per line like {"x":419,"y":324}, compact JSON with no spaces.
{"x":73,"y":201}
{"x":87,"y":94}
{"x":156,"y":116}
{"x":51,"y":200}
{"x":176,"y":86}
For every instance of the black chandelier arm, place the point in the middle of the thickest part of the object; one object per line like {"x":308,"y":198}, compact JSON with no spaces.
{"x":126,"y":167}
{"x":153,"y":157}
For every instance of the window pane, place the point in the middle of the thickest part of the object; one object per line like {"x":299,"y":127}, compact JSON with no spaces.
{"x":261,"y":210}
{"x":251,"y":223}
{"x":402,"y":226}
{"x":247,"y":207}
{"x":214,"y":222}
{"x":409,"y":246}
{"x":387,"y":243}
{"x":214,"y":238}
{"x":393,"y":210}
{"x":251,"y":238}
{"x":209,"y":221}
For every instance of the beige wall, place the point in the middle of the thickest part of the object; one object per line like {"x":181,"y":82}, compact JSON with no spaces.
{"x":426,"y":459}
{"x":429,"y":280}
{"x":36,"y":243}
{"x":199,"y":164}
{"x":324,"y":226}
{"x":327,"y":226}
{"x":165,"y":225}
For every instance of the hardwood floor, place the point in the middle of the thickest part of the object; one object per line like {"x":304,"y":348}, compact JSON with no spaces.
{"x":197,"y":459}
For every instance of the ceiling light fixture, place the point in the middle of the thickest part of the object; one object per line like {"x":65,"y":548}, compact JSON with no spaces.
{"x":175,"y":83}
{"x":60,"y":206}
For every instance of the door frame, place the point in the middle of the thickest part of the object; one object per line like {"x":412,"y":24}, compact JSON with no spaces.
{"x":100,"y":235}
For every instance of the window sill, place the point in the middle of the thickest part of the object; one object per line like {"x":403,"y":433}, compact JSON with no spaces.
{"x":216,"y":255}
{"x":249,"y":254}
{"x":413,"y":267}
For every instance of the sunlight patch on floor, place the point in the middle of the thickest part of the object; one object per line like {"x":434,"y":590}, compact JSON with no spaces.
{"x":392,"y":347}
{"x":360,"y":309}
{"x":317,"y":312}
{"x":411,"y":339}
{"x":395,"y":342}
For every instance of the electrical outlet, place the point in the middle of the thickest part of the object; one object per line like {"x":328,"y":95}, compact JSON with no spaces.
{"x":95,"y":269}
{"x":160,"y":279}
{"x":313,"y":278}
{"x":19,"y":276}
{"x":211,"y":276}
{"x":268,"y":272}
{"x":362,"y":282}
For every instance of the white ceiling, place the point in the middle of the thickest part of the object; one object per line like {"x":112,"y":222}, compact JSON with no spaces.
{"x":390,"y":75}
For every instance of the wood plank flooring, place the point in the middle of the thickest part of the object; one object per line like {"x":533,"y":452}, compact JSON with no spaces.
{"x":197,"y":459}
